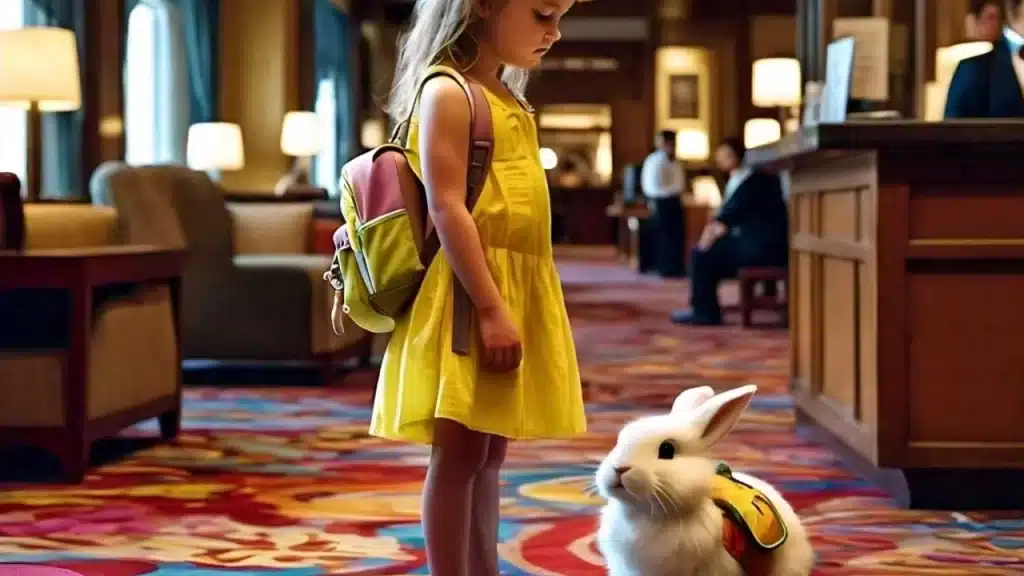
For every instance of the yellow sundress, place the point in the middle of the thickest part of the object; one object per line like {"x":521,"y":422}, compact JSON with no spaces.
{"x":421,"y":379}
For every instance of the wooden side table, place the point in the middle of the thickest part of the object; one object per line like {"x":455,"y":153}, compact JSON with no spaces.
{"x":80,"y":272}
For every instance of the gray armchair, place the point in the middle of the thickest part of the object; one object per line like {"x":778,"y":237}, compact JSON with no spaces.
{"x":268,"y":306}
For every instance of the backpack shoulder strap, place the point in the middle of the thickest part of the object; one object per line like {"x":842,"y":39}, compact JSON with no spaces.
{"x":481,"y":130}
{"x":480,"y":154}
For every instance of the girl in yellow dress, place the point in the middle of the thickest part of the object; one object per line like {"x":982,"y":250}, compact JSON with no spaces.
{"x":521,"y":379}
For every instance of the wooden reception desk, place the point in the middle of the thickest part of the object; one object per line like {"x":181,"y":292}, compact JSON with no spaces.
{"x":907,"y":300}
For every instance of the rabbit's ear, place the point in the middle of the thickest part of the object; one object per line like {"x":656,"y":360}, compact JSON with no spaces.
{"x":716,"y":417}
{"x":691,"y":398}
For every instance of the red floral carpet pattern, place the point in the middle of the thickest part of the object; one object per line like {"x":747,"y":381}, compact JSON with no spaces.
{"x":286,"y":482}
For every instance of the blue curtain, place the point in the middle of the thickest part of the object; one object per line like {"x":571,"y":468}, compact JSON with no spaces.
{"x":335,"y":48}
{"x":61,"y":131}
{"x":201,"y":20}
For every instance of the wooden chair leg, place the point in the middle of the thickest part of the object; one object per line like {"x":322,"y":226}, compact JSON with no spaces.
{"x":170,"y":424}
{"x":74,"y":460}
{"x":746,"y":302}
{"x":328,"y":370}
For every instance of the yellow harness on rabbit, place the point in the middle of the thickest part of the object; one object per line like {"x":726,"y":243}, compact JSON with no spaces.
{"x":753,"y":527}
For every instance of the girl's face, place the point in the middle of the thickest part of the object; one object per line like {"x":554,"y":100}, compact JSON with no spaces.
{"x":522,"y":31}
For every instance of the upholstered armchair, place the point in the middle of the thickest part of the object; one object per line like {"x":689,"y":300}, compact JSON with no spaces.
{"x":268,"y":304}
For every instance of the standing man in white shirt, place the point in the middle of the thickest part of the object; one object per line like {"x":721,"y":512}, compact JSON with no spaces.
{"x":663,"y":182}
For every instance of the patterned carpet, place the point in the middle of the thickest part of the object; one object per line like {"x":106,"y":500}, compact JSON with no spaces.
{"x":286,"y":482}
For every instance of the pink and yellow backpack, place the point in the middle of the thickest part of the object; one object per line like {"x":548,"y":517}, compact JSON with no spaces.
{"x":383,"y":249}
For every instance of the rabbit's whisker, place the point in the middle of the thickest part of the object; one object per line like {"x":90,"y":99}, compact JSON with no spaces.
{"x":666,"y":499}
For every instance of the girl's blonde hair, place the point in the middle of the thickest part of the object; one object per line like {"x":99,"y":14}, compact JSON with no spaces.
{"x":439,"y":30}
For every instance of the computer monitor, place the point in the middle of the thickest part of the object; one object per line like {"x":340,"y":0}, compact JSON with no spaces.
{"x":835,"y":96}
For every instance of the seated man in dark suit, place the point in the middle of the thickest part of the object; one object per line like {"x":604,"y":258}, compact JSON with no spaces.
{"x":991,"y":85}
{"x":750,"y":229}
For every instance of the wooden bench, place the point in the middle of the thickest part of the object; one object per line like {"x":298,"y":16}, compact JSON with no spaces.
{"x":750,"y":301}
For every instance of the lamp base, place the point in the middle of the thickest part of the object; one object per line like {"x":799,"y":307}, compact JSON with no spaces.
{"x":34,"y":147}
{"x":298,"y":177}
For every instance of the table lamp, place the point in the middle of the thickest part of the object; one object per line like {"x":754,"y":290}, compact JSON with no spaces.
{"x":946,"y":60}
{"x":706,"y":191}
{"x":692,"y":144}
{"x":39,"y":73}
{"x":776,"y":83}
{"x":214,"y":147}
{"x":761,"y":131}
{"x":302,"y":136}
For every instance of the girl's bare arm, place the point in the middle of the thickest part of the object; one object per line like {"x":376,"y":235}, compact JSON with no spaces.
{"x":444,"y":153}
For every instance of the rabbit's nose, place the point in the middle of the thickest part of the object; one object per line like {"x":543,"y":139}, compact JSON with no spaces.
{"x":622,"y":470}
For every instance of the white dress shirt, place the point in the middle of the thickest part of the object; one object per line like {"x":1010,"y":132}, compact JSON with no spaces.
{"x":1015,"y":42}
{"x":661,"y":176}
{"x":736,"y":177}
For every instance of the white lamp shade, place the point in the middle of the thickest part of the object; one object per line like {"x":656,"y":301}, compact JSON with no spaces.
{"x":372,"y":133}
{"x":706,"y":191}
{"x":947,"y":58}
{"x":692,"y":145}
{"x":776,"y":82}
{"x":40,"y":65}
{"x":302,"y":134}
{"x":761,"y":131}
{"x":215,"y":146}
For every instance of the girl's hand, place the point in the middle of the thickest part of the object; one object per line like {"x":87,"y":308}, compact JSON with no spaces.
{"x":502,"y":346}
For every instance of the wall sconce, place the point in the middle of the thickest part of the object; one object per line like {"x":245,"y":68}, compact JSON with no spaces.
{"x":776,"y":83}
{"x":692,"y":144}
{"x":761,"y":131}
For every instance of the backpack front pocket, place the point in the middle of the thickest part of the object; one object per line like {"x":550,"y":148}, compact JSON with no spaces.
{"x":389,"y":262}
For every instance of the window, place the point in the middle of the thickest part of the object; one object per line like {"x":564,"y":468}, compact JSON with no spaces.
{"x":140,"y":86}
{"x":326,"y":174}
{"x":327,"y":161}
{"x":155,"y":85}
{"x":13,"y":121}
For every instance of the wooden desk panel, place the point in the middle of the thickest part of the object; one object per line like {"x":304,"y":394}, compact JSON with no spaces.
{"x":907,"y":282}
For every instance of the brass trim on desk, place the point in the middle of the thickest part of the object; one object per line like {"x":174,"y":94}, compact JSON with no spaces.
{"x":978,"y":242}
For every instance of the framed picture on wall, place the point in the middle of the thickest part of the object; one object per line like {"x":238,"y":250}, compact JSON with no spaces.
{"x":684,"y":97}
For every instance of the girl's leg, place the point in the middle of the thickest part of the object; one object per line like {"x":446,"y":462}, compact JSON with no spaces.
{"x":457,"y":456}
{"x":483,"y":538}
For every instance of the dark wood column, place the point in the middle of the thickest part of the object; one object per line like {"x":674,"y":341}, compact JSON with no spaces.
{"x":306,"y":54}
{"x":744,"y":59}
{"x":103,"y":89}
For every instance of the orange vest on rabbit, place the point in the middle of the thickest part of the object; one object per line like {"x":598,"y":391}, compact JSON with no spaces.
{"x":752,"y":528}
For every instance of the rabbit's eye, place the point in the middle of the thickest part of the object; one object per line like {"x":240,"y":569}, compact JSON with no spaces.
{"x":666,"y":450}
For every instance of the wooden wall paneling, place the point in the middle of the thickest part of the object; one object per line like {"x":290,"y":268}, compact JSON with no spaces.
{"x":305,"y":52}
{"x":744,"y":69}
{"x":259,"y":84}
{"x":102,"y":89}
{"x":834,"y":311}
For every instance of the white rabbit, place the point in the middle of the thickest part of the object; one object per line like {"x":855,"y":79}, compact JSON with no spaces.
{"x":660,"y":519}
